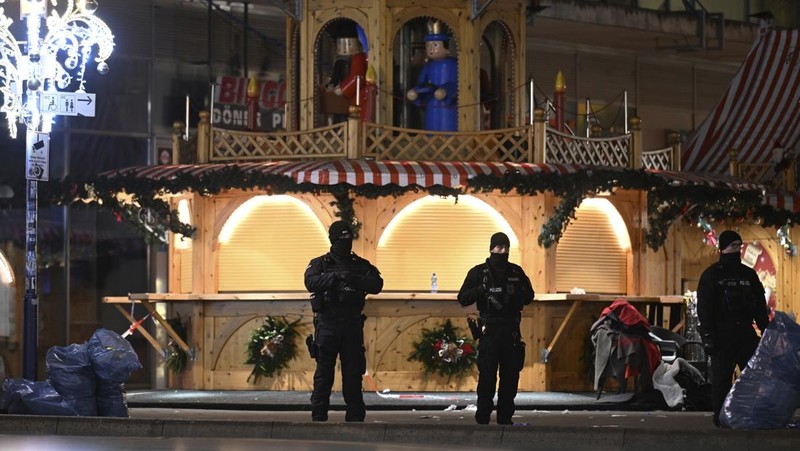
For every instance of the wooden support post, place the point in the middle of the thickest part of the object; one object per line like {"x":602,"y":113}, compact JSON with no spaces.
{"x":177,"y":141}
{"x":636,"y":143}
{"x":539,"y":137}
{"x":204,"y":137}
{"x":733,"y":164}
{"x":675,"y":142}
{"x":353,"y":134}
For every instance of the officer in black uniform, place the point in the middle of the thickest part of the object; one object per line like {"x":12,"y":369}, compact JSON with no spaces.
{"x":339,"y":282}
{"x":500,"y":289}
{"x":729,"y":298}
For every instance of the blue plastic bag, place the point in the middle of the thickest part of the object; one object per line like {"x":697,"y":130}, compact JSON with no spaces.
{"x":21,"y":396}
{"x":112,"y":357}
{"x":70,"y":373}
{"x":111,"y":400}
{"x":768,"y":392}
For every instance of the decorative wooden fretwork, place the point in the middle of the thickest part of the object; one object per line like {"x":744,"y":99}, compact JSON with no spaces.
{"x":660,"y":159}
{"x":327,"y":142}
{"x":563,"y":148}
{"x":394,"y":143}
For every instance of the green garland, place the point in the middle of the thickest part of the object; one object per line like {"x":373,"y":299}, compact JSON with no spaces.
{"x":271,"y":347}
{"x":176,"y":357}
{"x":667,"y":202}
{"x":444,"y":351}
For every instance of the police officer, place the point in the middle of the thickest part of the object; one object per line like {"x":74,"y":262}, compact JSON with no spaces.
{"x":729,"y":298}
{"x":500,"y":289}
{"x":339,"y":282}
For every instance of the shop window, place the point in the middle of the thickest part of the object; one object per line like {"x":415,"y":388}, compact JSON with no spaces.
{"x":438,"y":235}
{"x":267,"y":243}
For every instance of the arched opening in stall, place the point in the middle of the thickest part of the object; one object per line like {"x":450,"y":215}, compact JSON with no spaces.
{"x":339,"y":52}
{"x":183,"y":248}
{"x":8,"y":296}
{"x":441,"y":236}
{"x":595,"y":250}
{"x":497,"y":95}
{"x":408,"y":62}
{"x":266,"y":244}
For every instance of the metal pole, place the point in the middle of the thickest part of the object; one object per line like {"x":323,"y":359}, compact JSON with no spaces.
{"x":531,"y":106}
{"x":625,"y":102}
{"x":30,"y":343}
{"x":588,"y":114}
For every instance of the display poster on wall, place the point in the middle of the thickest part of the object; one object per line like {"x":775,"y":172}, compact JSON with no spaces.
{"x":230,"y":103}
{"x":755,"y":256}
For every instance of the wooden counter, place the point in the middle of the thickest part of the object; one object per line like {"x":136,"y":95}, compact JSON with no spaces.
{"x":555,"y":328}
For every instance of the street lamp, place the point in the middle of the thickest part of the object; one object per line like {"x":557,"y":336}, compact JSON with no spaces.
{"x":41,"y":78}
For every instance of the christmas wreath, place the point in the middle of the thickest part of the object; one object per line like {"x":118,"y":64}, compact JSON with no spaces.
{"x":443,"y":351}
{"x":176,"y":357}
{"x":271,"y":346}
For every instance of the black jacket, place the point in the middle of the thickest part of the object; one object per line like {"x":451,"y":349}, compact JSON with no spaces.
{"x":729,"y":298}
{"x":340,"y":285}
{"x":509,"y":286}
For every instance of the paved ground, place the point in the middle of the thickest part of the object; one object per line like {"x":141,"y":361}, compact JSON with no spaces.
{"x":420,"y":421}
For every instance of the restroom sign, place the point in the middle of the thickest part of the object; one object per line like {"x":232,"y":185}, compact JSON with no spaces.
{"x":68,"y":104}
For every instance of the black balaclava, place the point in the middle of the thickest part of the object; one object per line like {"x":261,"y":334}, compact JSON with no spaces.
{"x":341,"y":236}
{"x":498,"y":260}
{"x":725,"y":239}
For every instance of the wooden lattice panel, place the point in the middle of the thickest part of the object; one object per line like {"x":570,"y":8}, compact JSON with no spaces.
{"x":660,"y":159}
{"x":569,"y":149}
{"x":394,"y":143}
{"x":230,"y":145}
{"x":764,"y":174}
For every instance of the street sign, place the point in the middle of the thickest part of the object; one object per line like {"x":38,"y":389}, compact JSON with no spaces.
{"x":37,"y":161}
{"x":68,"y":103}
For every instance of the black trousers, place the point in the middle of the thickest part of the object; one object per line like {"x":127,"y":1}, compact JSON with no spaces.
{"x":736,"y":352}
{"x":498,"y":349}
{"x":343,"y":339}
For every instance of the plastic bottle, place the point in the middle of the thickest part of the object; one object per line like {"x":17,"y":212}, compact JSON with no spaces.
{"x":434,"y":284}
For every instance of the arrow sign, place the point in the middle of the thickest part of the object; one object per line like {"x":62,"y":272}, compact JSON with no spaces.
{"x":68,"y":103}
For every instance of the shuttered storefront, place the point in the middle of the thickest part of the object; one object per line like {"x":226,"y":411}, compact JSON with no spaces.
{"x":589,"y":255}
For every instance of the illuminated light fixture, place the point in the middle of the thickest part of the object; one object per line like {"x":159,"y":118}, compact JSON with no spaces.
{"x":6,"y":274}
{"x":617,"y":223}
{"x":40,"y":78}
{"x":246,"y":209}
{"x":184,"y":216}
{"x":463,"y":200}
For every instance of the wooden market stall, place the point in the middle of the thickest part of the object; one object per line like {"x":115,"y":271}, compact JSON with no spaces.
{"x":247,"y":211}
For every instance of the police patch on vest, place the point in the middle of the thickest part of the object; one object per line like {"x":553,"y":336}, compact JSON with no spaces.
{"x":736,"y":297}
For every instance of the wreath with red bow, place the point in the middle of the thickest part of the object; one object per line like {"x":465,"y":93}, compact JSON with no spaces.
{"x":443,"y":350}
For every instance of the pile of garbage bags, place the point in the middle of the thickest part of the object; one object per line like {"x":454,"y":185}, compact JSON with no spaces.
{"x":768,"y":392}
{"x":82,"y":379}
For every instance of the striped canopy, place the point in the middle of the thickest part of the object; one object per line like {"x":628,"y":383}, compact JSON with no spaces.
{"x":759,"y":112}
{"x":451,"y":174}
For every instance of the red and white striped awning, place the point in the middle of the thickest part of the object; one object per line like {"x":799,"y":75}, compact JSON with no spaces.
{"x":783,"y":200}
{"x":451,"y":174}
{"x":759,"y":112}
{"x":425,"y":174}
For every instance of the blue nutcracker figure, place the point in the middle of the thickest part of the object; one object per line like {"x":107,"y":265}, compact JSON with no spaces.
{"x":437,"y":87}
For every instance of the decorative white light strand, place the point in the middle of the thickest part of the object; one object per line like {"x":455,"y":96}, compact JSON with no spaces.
{"x":55,"y":63}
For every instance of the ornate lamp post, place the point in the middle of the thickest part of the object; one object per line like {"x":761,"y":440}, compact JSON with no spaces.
{"x":41,"y":78}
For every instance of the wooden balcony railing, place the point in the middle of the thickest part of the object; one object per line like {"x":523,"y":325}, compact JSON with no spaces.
{"x":534,"y":143}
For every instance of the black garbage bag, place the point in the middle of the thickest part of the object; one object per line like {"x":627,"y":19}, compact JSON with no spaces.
{"x":112,"y":357}
{"x":24,"y":397}
{"x":111,"y":401}
{"x":768,"y":392}
{"x":70,"y":372}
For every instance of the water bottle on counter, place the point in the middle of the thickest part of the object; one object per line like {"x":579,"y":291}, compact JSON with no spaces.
{"x":434,"y":283}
